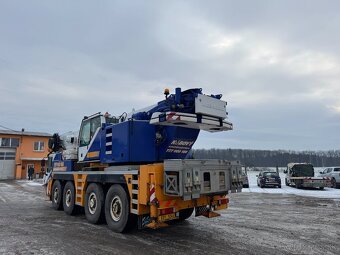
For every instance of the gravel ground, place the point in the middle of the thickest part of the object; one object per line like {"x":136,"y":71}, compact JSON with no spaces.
{"x":255,"y":223}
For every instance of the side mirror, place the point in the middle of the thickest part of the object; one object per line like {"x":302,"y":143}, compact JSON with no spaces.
{"x":285,"y":171}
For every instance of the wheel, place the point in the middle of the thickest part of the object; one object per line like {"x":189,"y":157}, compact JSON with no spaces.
{"x":279,"y":186}
{"x":117,"y":209}
{"x":321,"y":188}
{"x":185,"y":214}
{"x":286,"y":182}
{"x":333,"y":183}
{"x":57,"y":195}
{"x":94,"y":203}
{"x":262,"y":185}
{"x":69,"y":199}
{"x":298,"y":185}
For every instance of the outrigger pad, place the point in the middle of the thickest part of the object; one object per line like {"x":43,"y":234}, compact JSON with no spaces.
{"x":194,"y":121}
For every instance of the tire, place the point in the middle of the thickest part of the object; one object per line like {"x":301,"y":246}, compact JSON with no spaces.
{"x":57,"y":195}
{"x":286,"y":182}
{"x":333,"y":182}
{"x":117,"y":209}
{"x":185,"y":214}
{"x":322,"y":188}
{"x":69,"y":198}
{"x":279,"y":186}
{"x":94,"y":203}
{"x":262,"y":186}
{"x":298,"y":185}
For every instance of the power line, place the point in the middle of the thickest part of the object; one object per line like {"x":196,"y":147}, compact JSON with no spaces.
{"x":7,"y":128}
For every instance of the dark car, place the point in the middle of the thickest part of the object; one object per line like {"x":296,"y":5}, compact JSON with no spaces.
{"x":266,"y":179}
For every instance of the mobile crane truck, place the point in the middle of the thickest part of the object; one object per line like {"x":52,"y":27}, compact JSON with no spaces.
{"x":133,"y":170}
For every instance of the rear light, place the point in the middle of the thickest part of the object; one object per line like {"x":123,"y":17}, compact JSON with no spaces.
{"x":167,"y":211}
{"x":223,"y":201}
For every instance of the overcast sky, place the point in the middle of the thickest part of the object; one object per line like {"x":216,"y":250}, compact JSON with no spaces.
{"x":277,"y":65}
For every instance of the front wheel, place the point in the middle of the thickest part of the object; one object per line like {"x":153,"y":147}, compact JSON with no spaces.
{"x":117,"y":209}
{"x":57,"y":195}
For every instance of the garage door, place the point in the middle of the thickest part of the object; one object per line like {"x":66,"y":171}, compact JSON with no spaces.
{"x":7,"y":163}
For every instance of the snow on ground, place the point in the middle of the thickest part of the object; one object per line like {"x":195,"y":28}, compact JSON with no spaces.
{"x":326,"y":193}
{"x":37,"y":182}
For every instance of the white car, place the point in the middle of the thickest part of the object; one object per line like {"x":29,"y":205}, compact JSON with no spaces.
{"x":334,"y":174}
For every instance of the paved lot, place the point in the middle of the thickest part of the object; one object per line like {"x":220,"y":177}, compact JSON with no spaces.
{"x":255,"y":223}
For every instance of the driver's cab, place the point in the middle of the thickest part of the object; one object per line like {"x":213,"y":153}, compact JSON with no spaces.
{"x":89,"y":129}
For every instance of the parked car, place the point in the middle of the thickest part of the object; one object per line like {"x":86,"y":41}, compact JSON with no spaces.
{"x":266,"y":178}
{"x":334,"y":174}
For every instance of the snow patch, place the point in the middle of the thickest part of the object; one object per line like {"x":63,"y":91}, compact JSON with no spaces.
{"x":253,"y":188}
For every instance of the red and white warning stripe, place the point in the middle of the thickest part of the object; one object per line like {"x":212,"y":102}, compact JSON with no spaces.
{"x":152,"y":194}
{"x":172,"y":116}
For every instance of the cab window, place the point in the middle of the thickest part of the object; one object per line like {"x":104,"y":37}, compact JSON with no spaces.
{"x":85,"y":135}
{"x":89,"y":128}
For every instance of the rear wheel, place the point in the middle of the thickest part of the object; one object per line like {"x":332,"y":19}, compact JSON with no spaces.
{"x":333,"y":183}
{"x":117,"y":209}
{"x":185,"y":214}
{"x":298,"y":184}
{"x":57,"y":195}
{"x":69,"y":199}
{"x":94,"y":203}
{"x":286,"y":182}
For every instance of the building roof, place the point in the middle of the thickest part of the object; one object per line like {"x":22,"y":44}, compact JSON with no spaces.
{"x":27,"y":133}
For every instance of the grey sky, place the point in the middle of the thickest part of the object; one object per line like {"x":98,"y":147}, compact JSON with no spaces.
{"x":276,"y":63}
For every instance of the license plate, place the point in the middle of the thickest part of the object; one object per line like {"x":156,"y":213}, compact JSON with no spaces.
{"x":166,"y":217}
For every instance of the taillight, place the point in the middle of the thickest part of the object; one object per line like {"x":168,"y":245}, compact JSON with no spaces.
{"x":223,"y":201}
{"x":166,"y":211}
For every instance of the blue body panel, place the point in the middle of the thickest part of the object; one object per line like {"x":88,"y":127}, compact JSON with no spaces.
{"x":135,"y":141}
{"x":132,"y":141}
{"x":64,"y":165}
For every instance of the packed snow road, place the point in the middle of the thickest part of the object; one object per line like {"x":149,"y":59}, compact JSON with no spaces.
{"x":255,"y":223}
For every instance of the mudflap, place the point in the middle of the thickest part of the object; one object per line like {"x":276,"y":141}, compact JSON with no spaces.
{"x":143,"y":221}
{"x":206,"y":212}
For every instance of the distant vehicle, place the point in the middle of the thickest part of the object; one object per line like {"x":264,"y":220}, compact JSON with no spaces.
{"x":266,"y":178}
{"x":301,"y":175}
{"x":334,"y":174}
{"x":244,"y":179}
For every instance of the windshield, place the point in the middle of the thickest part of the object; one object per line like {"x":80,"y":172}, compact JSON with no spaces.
{"x":270,"y":174}
{"x":303,"y":170}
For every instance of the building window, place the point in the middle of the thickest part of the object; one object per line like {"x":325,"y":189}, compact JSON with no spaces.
{"x":9,"y":142}
{"x":39,"y":146}
{"x":7,"y":155}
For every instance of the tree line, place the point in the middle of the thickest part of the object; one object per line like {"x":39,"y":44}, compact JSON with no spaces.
{"x":271,"y":158}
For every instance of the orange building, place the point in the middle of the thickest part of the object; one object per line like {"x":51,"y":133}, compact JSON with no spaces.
{"x":20,"y":150}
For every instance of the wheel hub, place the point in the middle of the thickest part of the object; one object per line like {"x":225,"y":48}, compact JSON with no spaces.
{"x":56,"y":195}
{"x":116,"y":208}
{"x":92,"y":205}
{"x":68,"y":198}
